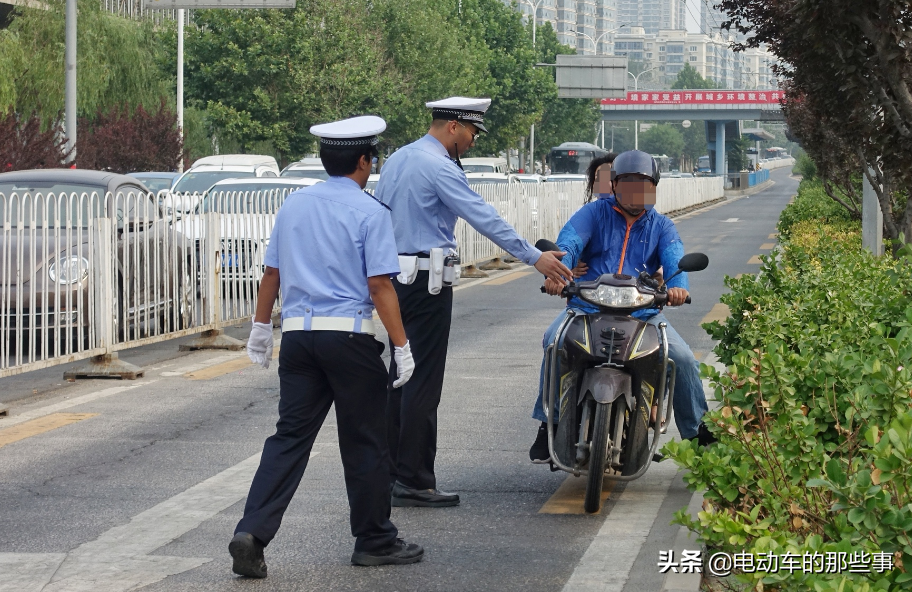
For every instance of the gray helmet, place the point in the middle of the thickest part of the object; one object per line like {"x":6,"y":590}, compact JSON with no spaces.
{"x":635,"y":162}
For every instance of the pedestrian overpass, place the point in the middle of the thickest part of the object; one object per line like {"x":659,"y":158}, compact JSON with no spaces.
{"x":721,"y":109}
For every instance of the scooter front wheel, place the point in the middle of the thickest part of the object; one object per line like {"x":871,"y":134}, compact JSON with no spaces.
{"x":598,"y":457}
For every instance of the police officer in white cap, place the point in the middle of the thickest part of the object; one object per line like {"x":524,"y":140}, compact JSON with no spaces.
{"x":426,"y":189}
{"x":333,"y":249}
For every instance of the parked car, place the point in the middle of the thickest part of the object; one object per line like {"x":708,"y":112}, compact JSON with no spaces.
{"x":156,"y":181}
{"x":529,"y":178}
{"x":189,"y":188}
{"x":308,"y":168}
{"x":372,"y":181}
{"x":485,"y":165}
{"x":491,"y":179}
{"x":247,"y":210}
{"x":50,"y":253}
{"x":564,"y":177}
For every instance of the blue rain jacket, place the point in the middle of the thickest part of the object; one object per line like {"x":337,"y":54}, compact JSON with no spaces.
{"x":598,"y":234}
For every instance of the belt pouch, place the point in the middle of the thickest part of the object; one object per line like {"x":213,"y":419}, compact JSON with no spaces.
{"x":435,"y":271}
{"x":408,"y":269}
{"x":452,"y":271}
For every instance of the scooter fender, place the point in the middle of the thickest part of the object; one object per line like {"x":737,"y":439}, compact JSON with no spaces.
{"x":607,"y":385}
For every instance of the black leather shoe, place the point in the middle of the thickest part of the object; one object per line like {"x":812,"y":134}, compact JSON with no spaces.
{"x":247,"y":551}
{"x":539,"y":452}
{"x":704,"y":437}
{"x":406,"y":497}
{"x":399,"y":553}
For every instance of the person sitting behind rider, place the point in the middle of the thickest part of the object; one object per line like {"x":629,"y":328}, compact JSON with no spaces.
{"x":622,"y":233}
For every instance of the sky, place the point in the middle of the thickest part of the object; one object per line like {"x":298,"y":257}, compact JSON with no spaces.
{"x":693,"y":16}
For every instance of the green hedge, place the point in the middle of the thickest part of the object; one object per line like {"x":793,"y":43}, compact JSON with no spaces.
{"x":815,"y":426}
{"x":812,"y":203}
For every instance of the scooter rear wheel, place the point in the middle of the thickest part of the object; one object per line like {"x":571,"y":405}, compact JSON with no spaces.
{"x":598,"y":457}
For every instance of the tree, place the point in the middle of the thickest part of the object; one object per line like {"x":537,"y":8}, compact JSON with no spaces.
{"x":115,"y":62}
{"x":662,"y":139}
{"x":689,"y":78}
{"x":435,"y":56}
{"x":268,"y":75}
{"x":517,"y":89}
{"x":694,"y":143}
{"x":563,"y":120}
{"x":124,"y":140}
{"x":24,"y":145}
{"x":848,"y":67}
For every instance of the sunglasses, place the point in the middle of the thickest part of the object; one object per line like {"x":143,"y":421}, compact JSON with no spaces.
{"x":474,"y":136}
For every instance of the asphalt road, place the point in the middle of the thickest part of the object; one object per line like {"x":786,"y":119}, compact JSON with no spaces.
{"x":119,"y":485}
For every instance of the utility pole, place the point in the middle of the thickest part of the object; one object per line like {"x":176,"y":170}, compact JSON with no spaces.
{"x":180,"y":84}
{"x":69,"y":105}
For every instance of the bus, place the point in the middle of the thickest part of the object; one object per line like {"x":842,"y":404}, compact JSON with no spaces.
{"x":703,"y":166}
{"x":573,"y":157}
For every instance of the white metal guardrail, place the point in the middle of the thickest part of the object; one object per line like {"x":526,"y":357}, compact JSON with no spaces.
{"x":83,"y":275}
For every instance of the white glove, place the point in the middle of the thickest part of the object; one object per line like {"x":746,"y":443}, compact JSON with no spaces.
{"x":259,"y":346}
{"x":405,"y":364}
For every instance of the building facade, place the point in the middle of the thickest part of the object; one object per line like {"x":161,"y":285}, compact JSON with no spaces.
{"x":662,"y":55}
{"x":587,"y":25}
{"x":653,"y":15}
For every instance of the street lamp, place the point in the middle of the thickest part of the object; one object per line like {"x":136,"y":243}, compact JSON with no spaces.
{"x":636,"y":123}
{"x":532,"y":128}
{"x":599,"y":38}
{"x":534,"y":16}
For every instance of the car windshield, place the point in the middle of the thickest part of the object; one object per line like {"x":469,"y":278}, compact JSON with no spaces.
{"x":478,"y":168}
{"x":307,"y":174}
{"x":72,"y":205}
{"x":245,"y":197}
{"x":155,"y":184}
{"x":200,"y":181}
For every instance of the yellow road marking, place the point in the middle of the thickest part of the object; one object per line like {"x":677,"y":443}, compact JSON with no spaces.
{"x":739,"y":276}
{"x":773,"y":235}
{"x":767,"y":246}
{"x":568,"y":499}
{"x":719,"y":312}
{"x":40,"y":425}
{"x":224,"y":368}
{"x":508,"y":278}
{"x":755,"y":260}
{"x":698,"y":355}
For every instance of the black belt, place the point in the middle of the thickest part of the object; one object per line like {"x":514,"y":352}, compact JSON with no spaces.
{"x":419,"y":255}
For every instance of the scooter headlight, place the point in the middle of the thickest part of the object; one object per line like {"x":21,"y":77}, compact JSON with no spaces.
{"x":617,"y":297}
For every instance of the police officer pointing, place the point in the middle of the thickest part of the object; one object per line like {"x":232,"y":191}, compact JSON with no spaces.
{"x":426,"y":189}
{"x":329,"y":355}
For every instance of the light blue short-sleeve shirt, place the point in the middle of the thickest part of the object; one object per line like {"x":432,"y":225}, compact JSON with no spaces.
{"x":327,"y":240}
{"x":427,"y":192}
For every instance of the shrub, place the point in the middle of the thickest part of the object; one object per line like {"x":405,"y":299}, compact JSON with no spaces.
{"x":805,"y":166}
{"x":24,"y":145}
{"x":123,"y":141}
{"x":811,"y":203}
{"x":815,"y":427}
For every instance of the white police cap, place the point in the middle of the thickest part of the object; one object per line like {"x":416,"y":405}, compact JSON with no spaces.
{"x":461,"y":109}
{"x":355,"y":131}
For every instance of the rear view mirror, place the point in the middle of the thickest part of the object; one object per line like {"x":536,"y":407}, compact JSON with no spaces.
{"x":693,"y":262}
{"x":544,"y":244}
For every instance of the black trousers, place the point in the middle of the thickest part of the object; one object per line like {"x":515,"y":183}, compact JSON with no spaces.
{"x":317,"y":369}
{"x":412,"y":409}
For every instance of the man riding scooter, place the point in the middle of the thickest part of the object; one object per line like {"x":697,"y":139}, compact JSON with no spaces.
{"x":624,"y":234}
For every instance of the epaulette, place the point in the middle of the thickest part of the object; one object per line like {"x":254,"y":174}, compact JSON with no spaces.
{"x":374,"y":197}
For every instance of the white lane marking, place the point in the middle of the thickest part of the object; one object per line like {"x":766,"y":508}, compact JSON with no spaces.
{"x":48,"y":409}
{"x":181,"y":370}
{"x":119,"y":560}
{"x":606,"y":564}
{"x":730,"y":220}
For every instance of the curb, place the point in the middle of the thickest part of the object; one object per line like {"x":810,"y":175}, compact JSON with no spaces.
{"x":686,"y":540}
{"x":750,"y":191}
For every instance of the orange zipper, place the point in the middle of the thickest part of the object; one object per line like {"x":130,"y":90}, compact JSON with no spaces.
{"x":626,"y":238}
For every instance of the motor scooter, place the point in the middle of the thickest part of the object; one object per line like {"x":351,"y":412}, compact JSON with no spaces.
{"x":606,"y":371}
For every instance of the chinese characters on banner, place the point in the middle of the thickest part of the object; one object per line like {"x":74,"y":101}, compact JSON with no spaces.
{"x":698,"y":97}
